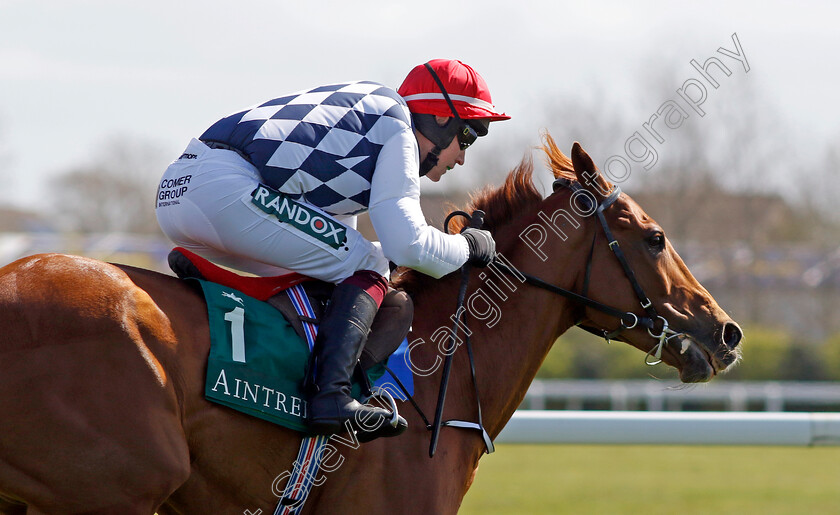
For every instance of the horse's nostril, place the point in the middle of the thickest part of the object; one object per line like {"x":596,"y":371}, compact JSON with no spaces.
{"x":731,"y":335}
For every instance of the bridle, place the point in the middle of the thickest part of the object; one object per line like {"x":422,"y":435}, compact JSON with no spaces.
{"x":627,"y":319}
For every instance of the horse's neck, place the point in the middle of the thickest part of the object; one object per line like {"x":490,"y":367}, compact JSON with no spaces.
{"x":512,"y":325}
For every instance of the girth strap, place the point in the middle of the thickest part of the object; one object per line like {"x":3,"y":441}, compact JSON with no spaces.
{"x":308,"y":462}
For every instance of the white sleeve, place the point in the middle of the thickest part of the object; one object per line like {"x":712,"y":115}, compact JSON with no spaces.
{"x":397,"y":218}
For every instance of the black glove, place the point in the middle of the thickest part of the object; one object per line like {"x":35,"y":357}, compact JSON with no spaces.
{"x":482,"y":246}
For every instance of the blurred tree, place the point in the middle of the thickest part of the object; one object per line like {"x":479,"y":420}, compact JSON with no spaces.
{"x":558,"y":363}
{"x":492,"y":160}
{"x":581,"y":355}
{"x":820,"y":189}
{"x":114,"y":194}
{"x":765,"y":355}
{"x":769,"y":355}
{"x":594,"y":118}
{"x":829,"y":356}
{"x":733,"y":149}
{"x":802,"y":363}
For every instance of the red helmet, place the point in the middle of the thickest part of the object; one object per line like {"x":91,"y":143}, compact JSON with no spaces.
{"x":466,"y":88}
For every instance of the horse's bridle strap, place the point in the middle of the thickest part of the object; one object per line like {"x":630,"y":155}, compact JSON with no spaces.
{"x":628,"y":319}
{"x":645,"y":302}
{"x":625,"y":316}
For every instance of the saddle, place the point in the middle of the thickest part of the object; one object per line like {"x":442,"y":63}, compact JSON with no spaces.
{"x":389,"y":328}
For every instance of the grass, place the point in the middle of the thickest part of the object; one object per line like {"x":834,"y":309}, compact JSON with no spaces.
{"x":650,"y":480}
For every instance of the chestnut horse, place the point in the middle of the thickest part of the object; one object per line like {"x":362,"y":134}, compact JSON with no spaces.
{"x":103,"y":367}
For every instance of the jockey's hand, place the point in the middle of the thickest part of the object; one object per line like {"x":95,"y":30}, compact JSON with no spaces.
{"x":482,"y":246}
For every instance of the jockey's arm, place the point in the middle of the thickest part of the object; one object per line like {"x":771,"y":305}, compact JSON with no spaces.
{"x":395,"y":212}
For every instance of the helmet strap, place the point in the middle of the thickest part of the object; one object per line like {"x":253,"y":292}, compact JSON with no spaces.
{"x":443,"y":90}
{"x":430,"y":161}
{"x":441,"y":136}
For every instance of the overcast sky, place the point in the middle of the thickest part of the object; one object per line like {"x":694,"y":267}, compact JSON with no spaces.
{"x":74,"y":75}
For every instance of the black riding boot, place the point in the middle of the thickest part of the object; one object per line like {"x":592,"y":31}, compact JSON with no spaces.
{"x":341,"y":335}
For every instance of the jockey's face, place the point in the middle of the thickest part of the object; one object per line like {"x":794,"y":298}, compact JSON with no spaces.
{"x":449,"y":157}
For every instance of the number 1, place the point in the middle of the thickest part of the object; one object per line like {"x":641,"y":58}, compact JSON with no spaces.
{"x":237,"y":333}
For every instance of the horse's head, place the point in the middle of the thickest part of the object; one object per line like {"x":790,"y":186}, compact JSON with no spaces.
{"x":631,"y":260}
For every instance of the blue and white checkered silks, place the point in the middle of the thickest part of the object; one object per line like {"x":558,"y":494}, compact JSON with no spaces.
{"x":321,"y":144}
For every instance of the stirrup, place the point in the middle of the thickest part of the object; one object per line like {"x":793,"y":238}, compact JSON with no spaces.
{"x":394,"y":427}
{"x":348,"y":414}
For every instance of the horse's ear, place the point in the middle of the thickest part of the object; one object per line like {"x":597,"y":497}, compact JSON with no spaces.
{"x":587,"y":173}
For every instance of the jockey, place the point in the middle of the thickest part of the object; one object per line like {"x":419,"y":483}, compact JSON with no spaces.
{"x":275,"y":188}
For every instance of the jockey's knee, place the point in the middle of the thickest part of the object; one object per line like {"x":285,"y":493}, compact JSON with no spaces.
{"x":389,"y":328}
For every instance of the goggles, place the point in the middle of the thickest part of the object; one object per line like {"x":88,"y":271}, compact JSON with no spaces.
{"x":466,"y":136}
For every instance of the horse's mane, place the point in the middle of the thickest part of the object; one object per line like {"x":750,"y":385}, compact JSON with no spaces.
{"x":501,"y":205}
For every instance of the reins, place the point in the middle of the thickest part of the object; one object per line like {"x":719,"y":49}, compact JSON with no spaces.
{"x":476,"y":221}
{"x":627,"y":319}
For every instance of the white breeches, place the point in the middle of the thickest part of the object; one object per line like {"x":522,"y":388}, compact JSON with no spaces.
{"x":204,"y":204}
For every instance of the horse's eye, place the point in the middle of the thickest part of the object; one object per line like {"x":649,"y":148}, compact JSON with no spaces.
{"x":657,"y":241}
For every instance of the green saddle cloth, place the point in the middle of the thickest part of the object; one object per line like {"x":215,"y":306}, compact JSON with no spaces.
{"x":257,"y":362}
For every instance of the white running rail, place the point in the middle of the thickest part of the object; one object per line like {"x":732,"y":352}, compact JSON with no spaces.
{"x":672,"y":428}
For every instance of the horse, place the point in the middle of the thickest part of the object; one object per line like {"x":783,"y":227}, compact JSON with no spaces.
{"x":103,"y":364}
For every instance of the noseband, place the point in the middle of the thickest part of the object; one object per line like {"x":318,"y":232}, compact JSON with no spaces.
{"x":657,"y":325}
